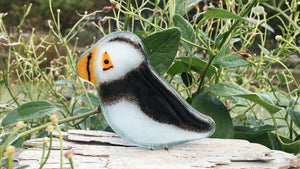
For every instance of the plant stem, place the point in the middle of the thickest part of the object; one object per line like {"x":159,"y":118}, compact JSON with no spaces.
{"x":2,"y":147}
{"x":71,"y":163}
{"x":278,"y":136}
{"x":9,"y":162}
{"x":127,"y":15}
{"x":61,"y":144}
{"x":59,"y":122}
{"x":286,"y":68}
{"x":282,"y":13}
{"x":43,"y":155}
{"x":49,"y":150}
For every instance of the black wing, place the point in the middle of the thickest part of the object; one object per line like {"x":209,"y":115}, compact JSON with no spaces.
{"x":158,"y":100}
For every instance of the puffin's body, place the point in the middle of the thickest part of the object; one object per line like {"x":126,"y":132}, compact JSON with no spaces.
{"x":137,"y":102}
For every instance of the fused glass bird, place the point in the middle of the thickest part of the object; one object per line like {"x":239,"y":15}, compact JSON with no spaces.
{"x":137,"y":102}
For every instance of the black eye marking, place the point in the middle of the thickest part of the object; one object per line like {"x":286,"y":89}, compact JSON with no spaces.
{"x":106,"y":61}
{"x":88,"y":66}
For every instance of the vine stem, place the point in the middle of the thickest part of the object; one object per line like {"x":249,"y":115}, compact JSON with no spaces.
{"x":2,"y":147}
{"x":61,"y":143}
{"x":49,"y":150}
{"x":43,"y":154}
{"x":278,"y":136}
{"x":59,"y":122}
{"x":158,"y":27}
{"x":282,"y":13}
{"x":286,"y":68}
{"x":295,"y":47}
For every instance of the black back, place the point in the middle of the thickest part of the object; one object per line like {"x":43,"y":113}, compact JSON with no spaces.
{"x":156,"y":98}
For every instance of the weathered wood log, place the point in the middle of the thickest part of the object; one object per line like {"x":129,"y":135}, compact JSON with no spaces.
{"x":99,"y":149}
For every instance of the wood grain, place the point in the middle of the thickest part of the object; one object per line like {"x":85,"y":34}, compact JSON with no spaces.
{"x":104,"y":150}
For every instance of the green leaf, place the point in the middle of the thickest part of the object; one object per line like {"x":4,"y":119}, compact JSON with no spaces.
{"x":162,"y":47}
{"x":22,"y":167}
{"x":42,"y":134}
{"x":86,"y":123}
{"x":3,"y":162}
{"x":283,"y":77}
{"x":254,"y":120}
{"x":206,"y":38}
{"x":81,"y":110}
{"x":253,"y":131}
{"x":213,"y":107}
{"x":265,"y":51}
{"x":19,"y":142}
{"x":198,"y":65}
{"x":259,"y":22}
{"x":238,"y":78}
{"x":221,"y":13}
{"x":275,"y":143}
{"x":295,"y":116}
{"x":184,"y":6}
{"x":139,"y":33}
{"x":261,"y":135}
{"x":224,"y":14}
{"x":228,"y":89}
{"x":5,"y":136}
{"x":291,"y":148}
{"x":98,"y":122}
{"x":94,"y":99}
{"x":226,"y":58}
{"x":234,"y":40}
{"x":29,"y":111}
{"x":262,"y":139}
{"x":186,"y":78}
{"x":187,"y":31}
{"x":177,"y":67}
{"x":258,"y":9}
{"x":63,"y":82}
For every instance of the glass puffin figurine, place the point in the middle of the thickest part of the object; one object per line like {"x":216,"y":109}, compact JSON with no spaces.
{"x":138,"y":104}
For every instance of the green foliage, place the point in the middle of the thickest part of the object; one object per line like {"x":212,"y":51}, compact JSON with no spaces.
{"x":226,"y":58}
{"x":213,"y":107}
{"x":29,"y":111}
{"x":184,"y":6}
{"x":228,"y":89}
{"x":161,"y":48}
{"x":187,"y":31}
{"x":224,"y":66}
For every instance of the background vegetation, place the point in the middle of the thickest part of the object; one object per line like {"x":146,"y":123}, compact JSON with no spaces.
{"x":228,"y":59}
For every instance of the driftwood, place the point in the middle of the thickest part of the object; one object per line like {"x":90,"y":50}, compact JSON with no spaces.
{"x":98,"y":149}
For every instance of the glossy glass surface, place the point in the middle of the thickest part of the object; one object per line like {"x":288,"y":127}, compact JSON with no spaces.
{"x":139,"y":104}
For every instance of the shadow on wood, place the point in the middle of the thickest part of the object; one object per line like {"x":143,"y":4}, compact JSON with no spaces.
{"x":99,"y":149}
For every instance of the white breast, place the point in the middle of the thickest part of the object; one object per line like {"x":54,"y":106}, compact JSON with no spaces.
{"x":128,"y":121}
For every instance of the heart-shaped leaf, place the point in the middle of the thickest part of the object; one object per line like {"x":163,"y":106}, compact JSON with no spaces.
{"x":213,"y":107}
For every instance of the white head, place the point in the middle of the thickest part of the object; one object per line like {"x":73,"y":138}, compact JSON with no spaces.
{"x":111,"y":58}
